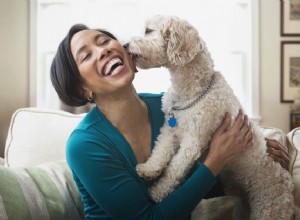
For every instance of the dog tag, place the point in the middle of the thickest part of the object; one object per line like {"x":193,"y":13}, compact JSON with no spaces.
{"x":172,"y":120}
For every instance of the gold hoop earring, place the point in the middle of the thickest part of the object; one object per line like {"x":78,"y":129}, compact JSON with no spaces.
{"x":91,"y":100}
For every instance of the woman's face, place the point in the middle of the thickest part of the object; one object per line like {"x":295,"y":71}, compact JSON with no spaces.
{"x":102,"y":62}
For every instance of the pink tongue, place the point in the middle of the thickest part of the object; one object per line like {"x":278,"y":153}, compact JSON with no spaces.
{"x":114,"y":71}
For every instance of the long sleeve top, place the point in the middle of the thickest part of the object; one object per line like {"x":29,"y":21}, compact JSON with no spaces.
{"x":103,"y":166}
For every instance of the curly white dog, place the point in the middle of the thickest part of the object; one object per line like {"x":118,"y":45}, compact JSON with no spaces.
{"x":194,"y":106}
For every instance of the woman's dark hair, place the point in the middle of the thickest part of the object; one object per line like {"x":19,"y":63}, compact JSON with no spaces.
{"x":64,"y":73}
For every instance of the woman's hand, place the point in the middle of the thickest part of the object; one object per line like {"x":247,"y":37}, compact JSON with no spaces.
{"x":278,"y":152}
{"x":229,"y":142}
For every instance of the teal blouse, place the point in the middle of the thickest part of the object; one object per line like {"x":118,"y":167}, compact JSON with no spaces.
{"x":103,"y":166}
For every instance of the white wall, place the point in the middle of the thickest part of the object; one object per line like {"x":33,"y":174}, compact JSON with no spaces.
{"x":14,"y":63}
{"x":273,"y":112}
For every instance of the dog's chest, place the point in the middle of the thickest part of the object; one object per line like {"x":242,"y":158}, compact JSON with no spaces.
{"x":184,"y":112}
{"x":219,"y":100}
{"x":181,"y":121}
{"x":203,"y":115}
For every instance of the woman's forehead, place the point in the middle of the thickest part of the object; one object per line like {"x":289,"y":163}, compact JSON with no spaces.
{"x":84,"y":37}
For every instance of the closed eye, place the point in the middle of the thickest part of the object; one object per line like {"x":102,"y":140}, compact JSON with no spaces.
{"x":148,"y":31}
{"x":86,"y":57}
{"x":105,"y":41}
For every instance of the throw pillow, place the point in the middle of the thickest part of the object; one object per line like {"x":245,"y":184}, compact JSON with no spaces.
{"x":45,"y":192}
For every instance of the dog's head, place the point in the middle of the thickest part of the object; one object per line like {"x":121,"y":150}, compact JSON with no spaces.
{"x":168,"y":41}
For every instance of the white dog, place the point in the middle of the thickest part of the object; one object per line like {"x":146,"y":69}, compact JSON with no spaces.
{"x":195,"y":105}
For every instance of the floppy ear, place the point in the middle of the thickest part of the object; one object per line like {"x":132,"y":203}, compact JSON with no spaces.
{"x":183,"y":41}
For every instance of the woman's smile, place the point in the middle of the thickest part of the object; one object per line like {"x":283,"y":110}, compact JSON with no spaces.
{"x":112,"y":67}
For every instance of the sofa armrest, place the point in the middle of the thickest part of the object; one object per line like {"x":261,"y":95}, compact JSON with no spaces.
{"x":1,"y":161}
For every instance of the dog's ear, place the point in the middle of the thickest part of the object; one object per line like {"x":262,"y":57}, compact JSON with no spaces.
{"x":183,"y":41}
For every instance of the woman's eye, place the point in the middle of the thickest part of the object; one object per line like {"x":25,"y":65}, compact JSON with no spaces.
{"x":105,"y":41}
{"x":86,"y":57}
{"x":148,"y":31}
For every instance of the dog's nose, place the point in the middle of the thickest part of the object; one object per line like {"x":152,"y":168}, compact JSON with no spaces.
{"x":126,"y":46}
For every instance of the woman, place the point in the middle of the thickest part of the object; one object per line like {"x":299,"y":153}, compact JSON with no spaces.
{"x":120,"y":131}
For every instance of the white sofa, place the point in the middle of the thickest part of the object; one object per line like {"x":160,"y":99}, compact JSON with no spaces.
{"x":36,"y":183}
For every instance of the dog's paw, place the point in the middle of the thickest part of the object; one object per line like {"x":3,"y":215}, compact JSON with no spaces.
{"x":156,"y":195}
{"x":148,"y":172}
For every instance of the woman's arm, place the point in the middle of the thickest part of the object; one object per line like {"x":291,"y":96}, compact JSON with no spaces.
{"x":113,"y":186}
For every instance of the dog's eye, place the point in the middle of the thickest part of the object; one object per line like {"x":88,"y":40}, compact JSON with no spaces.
{"x":148,"y":31}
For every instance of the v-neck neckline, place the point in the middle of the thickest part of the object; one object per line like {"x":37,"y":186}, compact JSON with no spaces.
{"x":128,"y":146}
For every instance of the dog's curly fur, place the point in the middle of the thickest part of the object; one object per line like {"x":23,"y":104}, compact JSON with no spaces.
{"x":173,"y":43}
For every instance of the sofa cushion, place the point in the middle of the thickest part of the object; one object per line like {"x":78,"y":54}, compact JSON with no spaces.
{"x":38,"y":135}
{"x":39,"y":192}
{"x":279,"y":135}
{"x":294,"y":141}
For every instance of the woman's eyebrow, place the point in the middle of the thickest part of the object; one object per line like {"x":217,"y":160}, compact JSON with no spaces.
{"x":82,"y":48}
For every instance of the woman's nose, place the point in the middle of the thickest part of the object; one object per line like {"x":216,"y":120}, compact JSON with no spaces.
{"x":102,"y":53}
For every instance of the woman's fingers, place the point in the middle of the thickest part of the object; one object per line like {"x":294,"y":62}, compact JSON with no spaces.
{"x":243,"y":129}
{"x":278,"y":153}
{"x":280,"y":160}
{"x":239,"y":122}
{"x":272,"y":143}
{"x":249,"y":136}
{"x":224,"y":125}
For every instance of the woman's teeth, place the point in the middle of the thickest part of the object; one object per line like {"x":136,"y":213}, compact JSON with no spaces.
{"x":111,"y":66}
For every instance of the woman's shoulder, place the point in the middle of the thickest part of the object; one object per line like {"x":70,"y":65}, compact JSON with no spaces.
{"x":90,"y":134}
{"x":88,"y":127}
{"x":152,"y":99}
{"x":156,"y":96}
{"x":90,"y":119}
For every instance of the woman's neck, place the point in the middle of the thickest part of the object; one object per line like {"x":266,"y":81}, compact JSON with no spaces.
{"x":129,"y":114}
{"x":124,"y":109}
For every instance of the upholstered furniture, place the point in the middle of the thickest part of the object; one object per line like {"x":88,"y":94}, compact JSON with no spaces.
{"x":36,"y":183}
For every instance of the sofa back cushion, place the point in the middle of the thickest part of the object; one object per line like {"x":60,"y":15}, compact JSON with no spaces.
{"x":38,"y":135}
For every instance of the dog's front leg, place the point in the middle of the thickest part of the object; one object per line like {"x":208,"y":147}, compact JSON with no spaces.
{"x":190,"y":150}
{"x":165,"y":147}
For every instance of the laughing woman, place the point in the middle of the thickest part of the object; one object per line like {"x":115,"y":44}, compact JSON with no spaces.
{"x":120,"y":132}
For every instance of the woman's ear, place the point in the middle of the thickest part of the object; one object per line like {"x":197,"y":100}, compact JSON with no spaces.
{"x":88,"y":94}
{"x":183,"y":41}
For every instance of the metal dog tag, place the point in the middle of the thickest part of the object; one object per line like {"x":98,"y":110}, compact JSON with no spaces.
{"x":172,"y":120}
